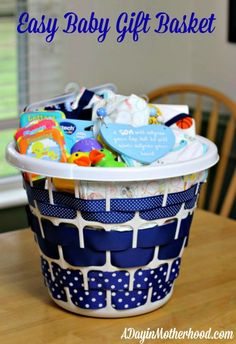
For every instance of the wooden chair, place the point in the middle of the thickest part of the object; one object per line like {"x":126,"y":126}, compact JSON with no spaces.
{"x":199,"y":94}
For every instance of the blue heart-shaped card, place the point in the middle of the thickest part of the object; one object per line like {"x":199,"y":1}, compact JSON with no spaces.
{"x":145,"y":144}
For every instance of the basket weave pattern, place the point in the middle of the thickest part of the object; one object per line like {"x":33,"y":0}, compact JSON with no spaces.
{"x":110,"y":256}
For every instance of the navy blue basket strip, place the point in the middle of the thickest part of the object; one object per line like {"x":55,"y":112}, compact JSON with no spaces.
{"x":156,"y":236}
{"x":160,"y":213}
{"x":127,"y":258}
{"x":136,"y":204}
{"x":111,"y":217}
{"x":123,"y":205}
{"x":36,"y":194}
{"x":83,"y":256}
{"x":131,"y":258}
{"x":171,"y":250}
{"x":182,"y":196}
{"x":78,"y":203}
{"x":63,"y":235}
{"x":65,"y":199}
{"x":185,"y":226}
{"x":30,"y":197}
{"x":56,"y":211}
{"x":108,"y":217}
{"x":191,"y":204}
{"x":48,"y":249}
{"x":101,"y":240}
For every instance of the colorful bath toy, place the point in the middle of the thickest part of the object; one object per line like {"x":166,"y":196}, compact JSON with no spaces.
{"x":86,"y":158}
{"x":80,"y":159}
{"x":86,"y":145}
{"x":64,"y":185}
{"x":107,"y":159}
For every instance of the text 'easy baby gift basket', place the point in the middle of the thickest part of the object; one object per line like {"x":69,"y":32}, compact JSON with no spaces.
{"x":112,"y":248}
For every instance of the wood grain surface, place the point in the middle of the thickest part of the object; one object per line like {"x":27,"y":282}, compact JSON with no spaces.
{"x":204,"y":295}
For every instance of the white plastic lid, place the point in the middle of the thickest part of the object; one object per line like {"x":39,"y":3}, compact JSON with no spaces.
{"x":72,"y":171}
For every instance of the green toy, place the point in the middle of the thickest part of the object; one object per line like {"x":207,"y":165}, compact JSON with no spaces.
{"x":108,"y":160}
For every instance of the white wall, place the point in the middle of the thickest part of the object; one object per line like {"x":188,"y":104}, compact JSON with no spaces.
{"x":213,"y":59}
{"x":155,"y":60}
{"x":135,"y":67}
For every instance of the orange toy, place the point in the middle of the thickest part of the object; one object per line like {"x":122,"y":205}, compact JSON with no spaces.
{"x":47,"y":145}
{"x":86,"y":158}
{"x":41,"y":145}
{"x":185,"y":123}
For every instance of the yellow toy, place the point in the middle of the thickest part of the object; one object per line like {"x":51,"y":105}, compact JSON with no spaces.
{"x":64,"y":185}
{"x":154,"y":113}
{"x":80,"y":158}
{"x":40,"y":151}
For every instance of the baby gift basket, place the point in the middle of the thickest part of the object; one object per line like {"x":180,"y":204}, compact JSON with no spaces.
{"x":112,"y":247}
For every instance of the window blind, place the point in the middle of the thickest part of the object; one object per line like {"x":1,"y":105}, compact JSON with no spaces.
{"x":8,"y":60}
{"x":30,"y":69}
{"x":45,"y":62}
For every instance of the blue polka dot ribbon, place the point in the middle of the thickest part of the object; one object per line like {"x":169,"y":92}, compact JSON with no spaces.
{"x":121,"y":210}
{"x":90,"y":251}
{"x":117,"y":282}
{"x":66,"y":200}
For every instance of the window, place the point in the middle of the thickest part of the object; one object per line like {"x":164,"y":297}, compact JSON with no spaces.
{"x":30,"y":70}
{"x":8,"y":80}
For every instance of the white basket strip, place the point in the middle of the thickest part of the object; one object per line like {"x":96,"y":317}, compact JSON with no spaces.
{"x":165,"y":196}
{"x":108,"y":199}
{"x":50,"y":190}
{"x":134,"y":223}
{"x":110,"y":268}
{"x":41,"y":227}
{"x":77,"y":188}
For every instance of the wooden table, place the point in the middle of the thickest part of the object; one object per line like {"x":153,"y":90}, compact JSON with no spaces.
{"x":204,"y":295}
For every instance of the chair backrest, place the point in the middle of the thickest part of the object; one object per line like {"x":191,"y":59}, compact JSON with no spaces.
{"x":216,"y":100}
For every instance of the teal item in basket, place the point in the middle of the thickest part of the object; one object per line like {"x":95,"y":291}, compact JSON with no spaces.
{"x":145,"y":144}
{"x":27,"y":117}
{"x":76,"y":130}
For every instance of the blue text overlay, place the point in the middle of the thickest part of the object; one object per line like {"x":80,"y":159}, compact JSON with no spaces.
{"x":132,"y":24}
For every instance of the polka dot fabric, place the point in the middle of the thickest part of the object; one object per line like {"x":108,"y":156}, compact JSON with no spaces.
{"x":71,"y":278}
{"x":149,"y":278}
{"x":92,"y":299}
{"x":174,"y":271}
{"x":100,"y":283}
{"x":108,"y":280}
{"x":97,"y":255}
{"x":63,"y":201}
{"x":125,"y":300}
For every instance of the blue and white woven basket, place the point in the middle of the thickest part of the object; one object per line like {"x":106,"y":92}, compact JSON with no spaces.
{"x":111,"y":257}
